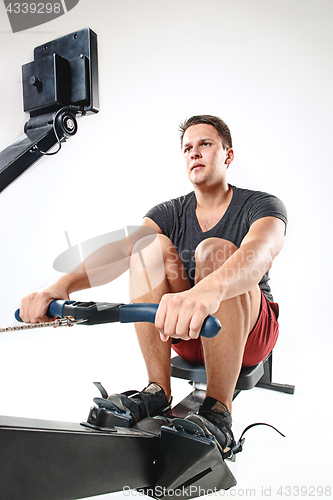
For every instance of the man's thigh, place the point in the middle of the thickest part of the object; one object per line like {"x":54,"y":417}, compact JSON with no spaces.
{"x":156,"y":265}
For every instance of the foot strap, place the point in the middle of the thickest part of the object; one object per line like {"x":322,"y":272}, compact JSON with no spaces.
{"x":239,"y":445}
{"x":189,"y":427}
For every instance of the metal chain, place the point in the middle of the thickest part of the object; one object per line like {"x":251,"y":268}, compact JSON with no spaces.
{"x":67,"y":321}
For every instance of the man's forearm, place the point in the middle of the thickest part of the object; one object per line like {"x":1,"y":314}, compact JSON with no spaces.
{"x":71,"y":282}
{"x":241,"y":272}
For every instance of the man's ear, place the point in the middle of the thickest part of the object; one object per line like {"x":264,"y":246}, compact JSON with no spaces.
{"x":230,"y":156}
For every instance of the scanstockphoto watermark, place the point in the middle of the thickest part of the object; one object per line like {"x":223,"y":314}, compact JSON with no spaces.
{"x":107,"y":256}
{"x":23,"y":15}
{"x":192,"y":491}
{"x":245,"y":266}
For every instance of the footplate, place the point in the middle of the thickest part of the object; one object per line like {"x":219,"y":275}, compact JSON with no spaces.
{"x":104,"y":418}
{"x":190,"y":464}
{"x":109,"y":411}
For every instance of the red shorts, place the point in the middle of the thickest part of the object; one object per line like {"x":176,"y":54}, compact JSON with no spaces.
{"x":259,"y":344}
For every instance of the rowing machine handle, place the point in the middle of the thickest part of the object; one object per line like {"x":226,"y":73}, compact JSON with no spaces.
{"x":124,"y":313}
{"x":136,"y":313}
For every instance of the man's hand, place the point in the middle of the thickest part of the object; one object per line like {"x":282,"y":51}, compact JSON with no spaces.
{"x":34,"y":306}
{"x":181,"y":315}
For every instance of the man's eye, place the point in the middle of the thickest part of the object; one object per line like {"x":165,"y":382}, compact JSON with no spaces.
{"x":205,"y":144}
{"x":186,"y":150}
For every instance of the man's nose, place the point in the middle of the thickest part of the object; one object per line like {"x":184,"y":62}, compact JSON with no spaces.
{"x":195,"y":153}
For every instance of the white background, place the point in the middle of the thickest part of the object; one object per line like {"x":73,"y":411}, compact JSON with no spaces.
{"x":265,"y":67}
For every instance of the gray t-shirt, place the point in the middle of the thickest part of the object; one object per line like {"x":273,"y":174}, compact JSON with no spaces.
{"x":177,"y":220}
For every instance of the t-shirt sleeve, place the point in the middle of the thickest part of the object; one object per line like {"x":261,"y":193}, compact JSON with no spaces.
{"x":267,"y":205}
{"x":163,"y":216}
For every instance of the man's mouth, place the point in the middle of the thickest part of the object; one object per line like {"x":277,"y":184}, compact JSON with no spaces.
{"x":197,"y":166}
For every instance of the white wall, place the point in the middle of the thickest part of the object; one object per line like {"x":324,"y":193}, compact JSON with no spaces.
{"x":265,"y":67}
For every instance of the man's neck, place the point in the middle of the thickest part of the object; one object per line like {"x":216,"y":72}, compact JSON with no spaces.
{"x":213,"y":198}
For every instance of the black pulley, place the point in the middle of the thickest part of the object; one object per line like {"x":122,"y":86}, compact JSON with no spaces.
{"x":66,"y":124}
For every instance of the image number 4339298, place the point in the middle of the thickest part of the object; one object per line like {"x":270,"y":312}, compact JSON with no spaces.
{"x":34,"y":8}
{"x":23,"y":15}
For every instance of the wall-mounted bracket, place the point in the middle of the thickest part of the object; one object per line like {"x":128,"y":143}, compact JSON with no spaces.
{"x":60,"y":83}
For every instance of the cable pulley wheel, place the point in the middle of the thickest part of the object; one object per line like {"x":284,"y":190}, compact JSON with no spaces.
{"x":66,"y":124}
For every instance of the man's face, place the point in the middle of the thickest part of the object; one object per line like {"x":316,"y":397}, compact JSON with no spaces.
{"x":205,"y":158}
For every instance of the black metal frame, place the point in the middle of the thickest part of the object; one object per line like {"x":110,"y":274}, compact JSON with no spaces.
{"x":266,"y":382}
{"x":48,"y":460}
{"x":59,"y":84}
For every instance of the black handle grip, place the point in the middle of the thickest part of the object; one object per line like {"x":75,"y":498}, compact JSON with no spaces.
{"x":132,"y":313}
{"x":103,"y":312}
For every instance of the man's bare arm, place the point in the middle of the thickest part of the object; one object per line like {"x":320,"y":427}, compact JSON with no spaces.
{"x":245,"y":268}
{"x":238,"y":275}
{"x":101,"y":267}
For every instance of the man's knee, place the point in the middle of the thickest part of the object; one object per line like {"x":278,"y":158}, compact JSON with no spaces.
{"x":210,"y":255}
{"x":153,"y":251}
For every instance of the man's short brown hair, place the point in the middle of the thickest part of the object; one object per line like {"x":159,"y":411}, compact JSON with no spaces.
{"x":220,"y":126}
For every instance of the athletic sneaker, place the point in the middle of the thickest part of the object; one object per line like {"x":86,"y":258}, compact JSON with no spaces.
{"x":215,"y":419}
{"x":150,"y":402}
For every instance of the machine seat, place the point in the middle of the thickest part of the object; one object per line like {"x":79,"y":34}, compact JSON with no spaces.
{"x":259,"y":375}
{"x":248,"y":377}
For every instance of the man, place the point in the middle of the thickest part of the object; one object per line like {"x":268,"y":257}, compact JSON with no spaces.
{"x":217,"y":245}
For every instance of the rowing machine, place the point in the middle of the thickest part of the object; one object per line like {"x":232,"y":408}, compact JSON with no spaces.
{"x":163,"y":457}
{"x":59,"y":461}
